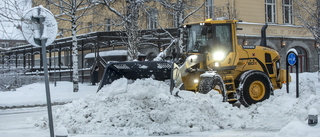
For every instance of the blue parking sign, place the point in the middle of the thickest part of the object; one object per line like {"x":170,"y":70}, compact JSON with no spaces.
{"x":292,"y":59}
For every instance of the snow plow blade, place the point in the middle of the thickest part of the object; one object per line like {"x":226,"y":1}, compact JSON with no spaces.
{"x":158,"y":70}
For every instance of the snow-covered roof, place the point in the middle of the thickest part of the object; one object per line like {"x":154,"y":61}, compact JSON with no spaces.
{"x":108,"y":53}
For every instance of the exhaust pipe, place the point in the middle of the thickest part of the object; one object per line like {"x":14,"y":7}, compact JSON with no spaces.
{"x":263,"y":36}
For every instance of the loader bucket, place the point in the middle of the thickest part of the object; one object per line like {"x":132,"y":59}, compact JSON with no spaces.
{"x":158,"y":70}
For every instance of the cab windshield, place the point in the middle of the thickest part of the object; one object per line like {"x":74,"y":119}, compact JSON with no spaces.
{"x":216,"y":37}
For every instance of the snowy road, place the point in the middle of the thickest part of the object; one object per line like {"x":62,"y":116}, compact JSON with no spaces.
{"x":18,"y":123}
{"x":14,"y":122}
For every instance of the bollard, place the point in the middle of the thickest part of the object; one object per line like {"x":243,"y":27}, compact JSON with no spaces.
{"x":313,"y":117}
{"x":61,"y":135}
{"x":61,"y":132}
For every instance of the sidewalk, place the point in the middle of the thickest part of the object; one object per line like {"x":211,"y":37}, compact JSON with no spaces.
{"x":35,"y":94}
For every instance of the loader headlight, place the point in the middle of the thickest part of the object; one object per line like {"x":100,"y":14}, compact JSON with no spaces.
{"x":196,"y":81}
{"x":218,"y":56}
{"x":216,"y":64}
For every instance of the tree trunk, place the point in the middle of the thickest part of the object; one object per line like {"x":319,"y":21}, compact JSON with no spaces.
{"x":317,"y":37}
{"x":132,"y":31}
{"x":75,"y":76}
{"x":180,"y":22}
{"x":318,"y":22}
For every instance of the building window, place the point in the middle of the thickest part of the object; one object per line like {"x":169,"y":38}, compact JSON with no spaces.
{"x":61,"y":33}
{"x":61,"y":7}
{"x":270,"y":11}
{"x":5,"y":44}
{"x":108,"y":25}
{"x":20,"y":44}
{"x":287,"y":12}
{"x":175,"y":20}
{"x":90,"y":26}
{"x":152,"y":19}
{"x":48,"y":4}
{"x":209,"y":9}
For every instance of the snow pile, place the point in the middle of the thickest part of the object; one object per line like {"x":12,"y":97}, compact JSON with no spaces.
{"x":145,"y":107}
{"x":299,"y":129}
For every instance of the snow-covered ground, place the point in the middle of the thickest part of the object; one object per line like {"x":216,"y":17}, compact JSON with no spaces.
{"x":35,"y":94}
{"x":146,"y":108}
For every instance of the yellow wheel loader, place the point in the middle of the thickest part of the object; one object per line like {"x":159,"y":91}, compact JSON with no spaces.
{"x":213,"y":60}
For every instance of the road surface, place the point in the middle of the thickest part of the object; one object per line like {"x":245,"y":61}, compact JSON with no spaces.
{"x":19,"y":122}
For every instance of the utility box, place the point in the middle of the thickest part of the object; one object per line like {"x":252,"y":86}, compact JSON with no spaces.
{"x":313,"y":117}
{"x":61,"y":132}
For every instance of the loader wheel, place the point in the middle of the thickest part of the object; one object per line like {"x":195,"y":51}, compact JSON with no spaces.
{"x":207,"y":84}
{"x":256,"y":88}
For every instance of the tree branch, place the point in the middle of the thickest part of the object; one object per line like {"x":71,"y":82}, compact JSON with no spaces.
{"x":193,"y":12}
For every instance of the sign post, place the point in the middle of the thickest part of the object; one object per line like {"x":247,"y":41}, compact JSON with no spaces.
{"x":292,"y":59}
{"x":40,"y":29}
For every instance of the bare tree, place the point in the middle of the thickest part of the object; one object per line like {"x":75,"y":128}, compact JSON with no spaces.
{"x":231,"y":12}
{"x":72,"y":11}
{"x":308,"y":13}
{"x":178,"y":10}
{"x":130,"y":22}
{"x":11,"y":15}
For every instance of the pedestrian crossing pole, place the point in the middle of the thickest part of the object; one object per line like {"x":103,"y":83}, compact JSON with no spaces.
{"x":292,"y":60}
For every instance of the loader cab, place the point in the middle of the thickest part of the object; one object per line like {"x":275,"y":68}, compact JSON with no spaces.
{"x":206,"y":37}
{"x":216,"y":39}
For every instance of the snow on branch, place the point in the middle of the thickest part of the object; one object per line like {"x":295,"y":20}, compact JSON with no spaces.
{"x":161,"y":56}
{"x":193,"y":12}
{"x":145,"y":10}
{"x":308,"y":13}
{"x":106,"y":2}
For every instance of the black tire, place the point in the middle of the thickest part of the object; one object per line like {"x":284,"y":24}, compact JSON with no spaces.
{"x":256,"y":88}
{"x":207,"y":84}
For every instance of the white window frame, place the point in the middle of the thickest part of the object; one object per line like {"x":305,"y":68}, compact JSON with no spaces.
{"x":152,"y":19}
{"x":5,"y":44}
{"x":61,"y":9}
{"x":175,"y":20}
{"x":273,"y":11}
{"x":209,"y":9}
{"x":290,"y":15}
{"x":48,"y":5}
{"x":20,"y":44}
{"x":61,"y":32}
{"x":90,"y":26}
{"x":108,"y":24}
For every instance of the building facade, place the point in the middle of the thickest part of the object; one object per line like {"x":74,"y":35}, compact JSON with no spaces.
{"x":6,"y":43}
{"x":284,"y":32}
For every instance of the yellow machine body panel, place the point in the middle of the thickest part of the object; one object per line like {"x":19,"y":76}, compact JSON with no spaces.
{"x":263,"y":59}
